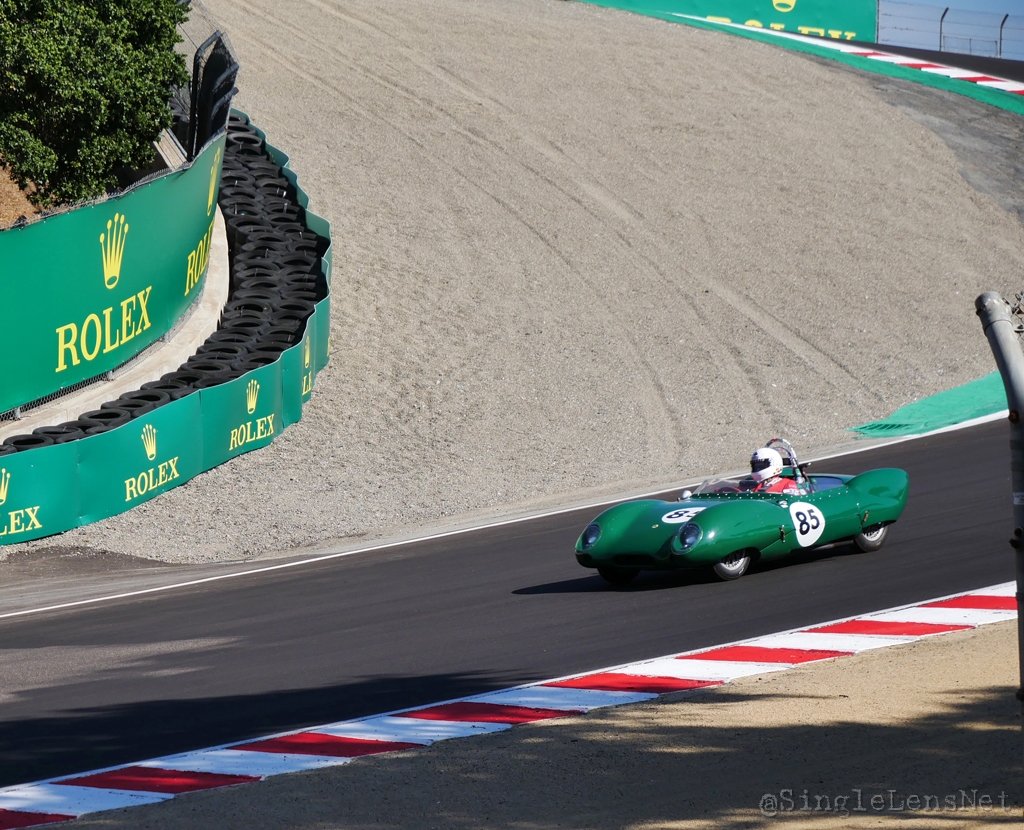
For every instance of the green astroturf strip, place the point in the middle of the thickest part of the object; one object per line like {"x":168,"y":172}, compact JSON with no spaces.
{"x":994,"y":97}
{"x":976,"y":399}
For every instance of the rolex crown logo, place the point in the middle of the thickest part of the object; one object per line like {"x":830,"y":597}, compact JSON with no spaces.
{"x":112,"y":245}
{"x":305,"y":351}
{"x":252,"y":394}
{"x":5,"y":480}
{"x":149,"y":441}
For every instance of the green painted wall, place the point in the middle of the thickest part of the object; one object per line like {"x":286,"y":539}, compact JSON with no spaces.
{"x":75,"y":306}
{"x":52,"y":489}
{"x":851,"y":20}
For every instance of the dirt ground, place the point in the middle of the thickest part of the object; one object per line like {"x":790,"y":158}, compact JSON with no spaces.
{"x":13,"y":202}
{"x":932,"y":726}
{"x":579,"y":249}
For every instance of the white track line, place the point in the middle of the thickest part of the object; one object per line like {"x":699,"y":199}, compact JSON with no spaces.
{"x":868,"y":53}
{"x":313,"y":560}
{"x":397,"y":731}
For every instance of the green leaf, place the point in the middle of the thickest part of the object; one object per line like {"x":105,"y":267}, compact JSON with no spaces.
{"x":84,"y":86}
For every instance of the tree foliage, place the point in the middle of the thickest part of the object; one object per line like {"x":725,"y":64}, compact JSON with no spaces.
{"x":84,"y":86}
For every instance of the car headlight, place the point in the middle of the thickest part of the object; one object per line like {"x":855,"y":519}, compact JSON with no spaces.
{"x":590,"y":536}
{"x":689,"y":535}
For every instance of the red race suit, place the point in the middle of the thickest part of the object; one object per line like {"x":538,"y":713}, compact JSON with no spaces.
{"x":778,"y":484}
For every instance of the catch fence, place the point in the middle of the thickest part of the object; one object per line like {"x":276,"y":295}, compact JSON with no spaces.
{"x":941,"y":28}
{"x":201,"y":107}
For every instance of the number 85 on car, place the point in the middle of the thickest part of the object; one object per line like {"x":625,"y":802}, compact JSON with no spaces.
{"x":726,"y":526}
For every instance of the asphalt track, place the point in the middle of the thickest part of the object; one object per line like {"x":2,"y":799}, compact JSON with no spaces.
{"x":126,"y":680}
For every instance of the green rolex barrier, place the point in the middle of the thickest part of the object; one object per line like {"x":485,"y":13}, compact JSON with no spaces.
{"x":139,"y":460}
{"x":38,"y":493}
{"x":86,"y":290}
{"x":238,"y":417}
{"x":848,"y":20}
{"x":53,"y":489}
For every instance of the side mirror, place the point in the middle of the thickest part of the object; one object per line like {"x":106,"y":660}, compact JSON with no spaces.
{"x":685,"y":495}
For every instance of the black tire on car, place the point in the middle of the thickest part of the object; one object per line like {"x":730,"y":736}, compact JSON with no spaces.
{"x":618,"y":576}
{"x":871,"y":538}
{"x":734,"y":565}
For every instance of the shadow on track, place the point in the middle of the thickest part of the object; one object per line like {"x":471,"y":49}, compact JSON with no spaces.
{"x":38,"y":748}
{"x":619,"y":768}
{"x":666,"y":580}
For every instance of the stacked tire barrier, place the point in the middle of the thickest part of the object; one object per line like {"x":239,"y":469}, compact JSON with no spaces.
{"x":244,"y":385}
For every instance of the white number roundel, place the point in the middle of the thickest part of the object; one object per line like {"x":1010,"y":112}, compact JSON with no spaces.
{"x":808,"y":521}
{"x":677,"y":517}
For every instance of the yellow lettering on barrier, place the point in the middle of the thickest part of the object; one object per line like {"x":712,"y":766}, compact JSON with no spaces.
{"x":16,"y":521}
{"x":835,"y":34}
{"x":245,"y":434}
{"x":213,"y":182}
{"x":96,"y":334}
{"x":33,"y":522}
{"x":67,"y":345}
{"x":143,"y":309}
{"x":127,"y":323}
{"x":190,"y":275}
{"x":150,"y":479}
{"x":109,"y":347}
{"x":87,"y":353}
{"x":198,"y":260}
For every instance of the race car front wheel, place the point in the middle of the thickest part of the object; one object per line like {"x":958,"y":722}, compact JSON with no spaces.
{"x":734,"y":565}
{"x":871,"y":538}
{"x":618,"y":576}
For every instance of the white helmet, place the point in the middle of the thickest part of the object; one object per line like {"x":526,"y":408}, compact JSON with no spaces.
{"x":764,"y":464}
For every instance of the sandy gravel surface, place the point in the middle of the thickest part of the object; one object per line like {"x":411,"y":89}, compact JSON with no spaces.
{"x":13,"y":202}
{"x":577,"y":248}
{"x":927,"y":719}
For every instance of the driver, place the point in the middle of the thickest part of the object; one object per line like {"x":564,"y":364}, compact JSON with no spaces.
{"x":766,"y":471}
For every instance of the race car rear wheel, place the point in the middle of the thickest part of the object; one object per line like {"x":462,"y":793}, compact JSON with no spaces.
{"x":618,"y":576}
{"x":734,"y":565}
{"x":871,"y":538}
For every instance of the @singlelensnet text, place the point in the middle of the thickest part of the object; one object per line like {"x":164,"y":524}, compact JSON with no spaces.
{"x":885,"y":801}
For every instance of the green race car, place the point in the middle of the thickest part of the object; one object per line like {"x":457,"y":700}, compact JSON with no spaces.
{"x":728,"y":524}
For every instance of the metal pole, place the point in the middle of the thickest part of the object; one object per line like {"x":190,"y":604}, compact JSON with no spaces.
{"x":945,"y":11}
{"x":1003,"y":338}
{"x":999,"y":52}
